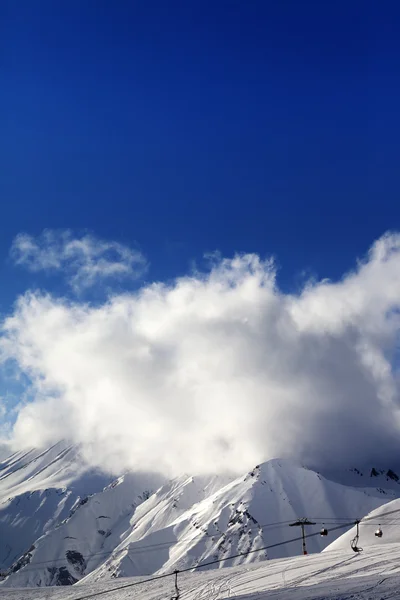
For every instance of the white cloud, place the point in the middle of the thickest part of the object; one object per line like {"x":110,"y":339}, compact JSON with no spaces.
{"x":85,"y":259}
{"x":218,"y":371}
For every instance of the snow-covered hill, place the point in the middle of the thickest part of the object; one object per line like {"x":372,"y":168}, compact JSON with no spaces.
{"x":38,"y":490}
{"x":340,"y":575}
{"x":252,"y":511}
{"x":114,"y":533}
{"x":58,"y":466}
{"x":386,"y":518}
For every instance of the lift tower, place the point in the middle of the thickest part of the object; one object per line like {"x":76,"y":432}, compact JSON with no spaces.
{"x":302,"y":523}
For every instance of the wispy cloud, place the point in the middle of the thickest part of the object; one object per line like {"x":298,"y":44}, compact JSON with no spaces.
{"x":218,"y":370}
{"x":86,"y":259}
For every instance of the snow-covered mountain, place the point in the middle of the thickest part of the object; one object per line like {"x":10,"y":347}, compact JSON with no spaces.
{"x":38,"y":490}
{"x":246,"y":514}
{"x":117,"y":531}
{"x":386,"y":479}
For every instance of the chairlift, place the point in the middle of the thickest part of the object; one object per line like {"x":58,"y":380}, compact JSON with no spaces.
{"x":323,"y":531}
{"x":379,"y":532}
{"x":354,"y":541}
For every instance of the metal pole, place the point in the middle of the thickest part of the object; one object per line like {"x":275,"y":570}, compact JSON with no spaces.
{"x":176,"y":586}
{"x":304,"y":539}
{"x":302,"y":523}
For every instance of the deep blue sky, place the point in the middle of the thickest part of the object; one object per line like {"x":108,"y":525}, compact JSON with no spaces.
{"x":192,"y":126}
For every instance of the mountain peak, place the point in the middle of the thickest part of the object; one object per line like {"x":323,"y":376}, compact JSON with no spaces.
{"x":139,"y":523}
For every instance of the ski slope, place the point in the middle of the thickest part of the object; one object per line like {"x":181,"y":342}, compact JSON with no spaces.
{"x":187,"y":521}
{"x":61,"y":523}
{"x":386,"y":517}
{"x":246,"y":514}
{"x":336,"y":575}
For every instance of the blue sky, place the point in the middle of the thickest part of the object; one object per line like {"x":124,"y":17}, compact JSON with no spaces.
{"x":186,"y":127}
{"x":140,"y":136}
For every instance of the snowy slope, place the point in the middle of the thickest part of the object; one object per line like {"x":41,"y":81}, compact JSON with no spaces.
{"x":59,"y":536}
{"x":90,"y":532}
{"x":253,"y":511}
{"x":386,"y":517}
{"x":59,"y":466}
{"x":373,"y":575}
{"x":98,"y":524}
{"x":37,"y":491}
{"x":187,"y":521}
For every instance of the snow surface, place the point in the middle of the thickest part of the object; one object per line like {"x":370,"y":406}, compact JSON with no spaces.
{"x":386,"y":517}
{"x":246,"y":514}
{"x":340,"y":575}
{"x":37,"y":491}
{"x":114,"y":533}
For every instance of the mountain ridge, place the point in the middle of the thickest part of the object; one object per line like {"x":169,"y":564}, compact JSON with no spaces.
{"x":118,"y":531}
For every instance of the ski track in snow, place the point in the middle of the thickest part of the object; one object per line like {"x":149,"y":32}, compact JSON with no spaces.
{"x":373,"y":575}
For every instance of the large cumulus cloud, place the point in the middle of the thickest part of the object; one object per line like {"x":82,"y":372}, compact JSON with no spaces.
{"x":217,"y":371}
